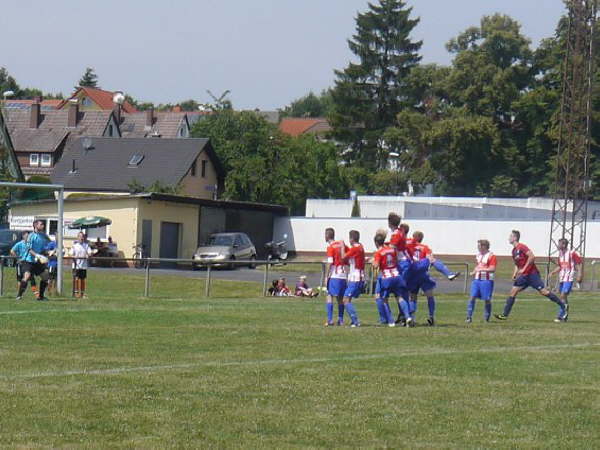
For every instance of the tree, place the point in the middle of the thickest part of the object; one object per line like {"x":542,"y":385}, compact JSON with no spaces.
{"x":370,"y":93}
{"x":8,"y":83}
{"x":310,"y":105}
{"x":89,"y":78}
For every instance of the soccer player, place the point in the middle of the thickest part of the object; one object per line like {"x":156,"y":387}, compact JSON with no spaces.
{"x":52,"y":266}
{"x":569,"y":264}
{"x":355,"y":259}
{"x":336,"y":276}
{"x":482,"y":286}
{"x":438,"y":264}
{"x":81,"y":251}
{"x":20,"y":251}
{"x":35,"y":261}
{"x":403,"y":256}
{"x":526,"y":274}
{"x":385,"y":261}
{"x":419,"y":278}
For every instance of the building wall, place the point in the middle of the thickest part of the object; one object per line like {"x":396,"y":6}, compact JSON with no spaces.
{"x":445,"y":237}
{"x":123,"y":214}
{"x":159,"y":211}
{"x":198,"y":186}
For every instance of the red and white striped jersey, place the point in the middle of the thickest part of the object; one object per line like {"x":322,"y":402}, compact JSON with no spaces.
{"x":485,"y":261}
{"x":386,"y":260}
{"x":568,"y":261}
{"x":355,"y":257}
{"x":335,"y":256}
{"x":398,"y":240}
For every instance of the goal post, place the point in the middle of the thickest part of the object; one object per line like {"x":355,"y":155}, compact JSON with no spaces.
{"x":60,"y":226}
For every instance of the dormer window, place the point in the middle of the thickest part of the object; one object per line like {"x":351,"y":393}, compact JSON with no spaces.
{"x":135,"y":160}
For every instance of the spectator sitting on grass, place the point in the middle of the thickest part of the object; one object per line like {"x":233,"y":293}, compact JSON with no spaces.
{"x":273,"y":289}
{"x":282,"y":289}
{"x":302,"y":289}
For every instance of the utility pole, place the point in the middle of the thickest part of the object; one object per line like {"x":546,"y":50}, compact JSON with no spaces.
{"x":572,"y":182}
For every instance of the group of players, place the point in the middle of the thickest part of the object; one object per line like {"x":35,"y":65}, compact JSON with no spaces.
{"x":35,"y":256}
{"x":402,"y":269}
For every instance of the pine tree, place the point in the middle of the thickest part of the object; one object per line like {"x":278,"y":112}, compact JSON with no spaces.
{"x":369,"y":94}
{"x":89,"y":78}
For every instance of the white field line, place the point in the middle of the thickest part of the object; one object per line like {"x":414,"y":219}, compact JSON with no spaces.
{"x":204,"y":306}
{"x":264,"y":362}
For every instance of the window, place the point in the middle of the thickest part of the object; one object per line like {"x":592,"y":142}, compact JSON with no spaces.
{"x":136,"y":160}
{"x":46,"y":160}
{"x":237,"y":242}
{"x":193,"y":169}
{"x":204,"y":168}
{"x":34,"y":159}
{"x":86,"y":101}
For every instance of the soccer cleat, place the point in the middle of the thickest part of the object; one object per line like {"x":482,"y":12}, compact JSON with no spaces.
{"x":400,"y":318}
{"x":431,"y":322}
{"x":18,"y":298}
{"x":328,"y":324}
{"x":41,"y":299}
{"x":559,"y":320}
{"x":410,"y":322}
{"x":468,"y":320}
{"x":340,"y":323}
{"x":454,"y":276}
{"x":500,"y":316}
{"x":391,"y":324}
{"x":355,"y":325}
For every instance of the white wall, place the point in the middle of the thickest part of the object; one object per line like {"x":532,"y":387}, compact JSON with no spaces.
{"x":445,"y":237}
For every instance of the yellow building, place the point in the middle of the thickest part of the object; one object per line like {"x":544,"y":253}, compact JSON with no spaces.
{"x":168,"y":226}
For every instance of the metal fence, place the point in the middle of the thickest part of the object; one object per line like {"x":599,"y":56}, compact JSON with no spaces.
{"x":269,"y":269}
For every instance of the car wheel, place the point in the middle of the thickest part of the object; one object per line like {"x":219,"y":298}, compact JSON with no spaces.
{"x":252,"y":264}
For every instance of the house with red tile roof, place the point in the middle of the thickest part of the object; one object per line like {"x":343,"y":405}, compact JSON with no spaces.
{"x":294,"y":126}
{"x":94,"y":99}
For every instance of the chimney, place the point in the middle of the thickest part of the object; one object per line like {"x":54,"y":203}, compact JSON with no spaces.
{"x":72,"y":113}
{"x":149,"y":117}
{"x":117,"y":112}
{"x":34,"y":116}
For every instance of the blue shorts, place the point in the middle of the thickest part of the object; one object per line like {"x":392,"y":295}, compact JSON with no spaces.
{"x":533,"y":280}
{"x":565,"y":287}
{"x":336,"y":287}
{"x":482,"y":289}
{"x":404,"y":267}
{"x":420,"y":282}
{"x":354,"y":289}
{"x":389,"y":286}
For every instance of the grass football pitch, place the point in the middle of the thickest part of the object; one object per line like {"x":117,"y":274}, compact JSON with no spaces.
{"x":177,"y":370}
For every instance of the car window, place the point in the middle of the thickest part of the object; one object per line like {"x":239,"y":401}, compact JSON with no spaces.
{"x":238,"y":241}
{"x":219,"y":239}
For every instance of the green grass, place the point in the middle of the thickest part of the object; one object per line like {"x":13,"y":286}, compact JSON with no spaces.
{"x":177,"y":370}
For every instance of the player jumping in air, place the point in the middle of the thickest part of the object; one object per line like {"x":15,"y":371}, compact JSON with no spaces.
{"x":482,"y":286}
{"x":336,"y":276}
{"x":403,"y":256}
{"x":569,"y":265}
{"x":355,"y":258}
{"x":385,"y":262}
{"x":526,"y":274}
{"x":418,"y":276}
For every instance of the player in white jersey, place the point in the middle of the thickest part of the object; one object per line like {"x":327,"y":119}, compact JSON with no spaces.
{"x":80,"y":251}
{"x":569,"y":269}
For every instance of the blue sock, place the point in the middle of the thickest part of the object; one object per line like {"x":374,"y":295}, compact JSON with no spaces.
{"x":431,"y":306}
{"x":352,"y":313}
{"x":471,"y":307}
{"x":404,"y":307}
{"x":510,"y":301}
{"x":488,"y":310}
{"x":341,"y":310}
{"x":412,"y":307}
{"x":561,"y":306}
{"x":388,"y":313}
{"x":329,"y":309}
{"x":441,"y":268}
{"x":381,"y":310}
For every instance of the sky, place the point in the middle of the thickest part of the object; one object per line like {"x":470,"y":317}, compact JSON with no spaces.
{"x":266,"y":52}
